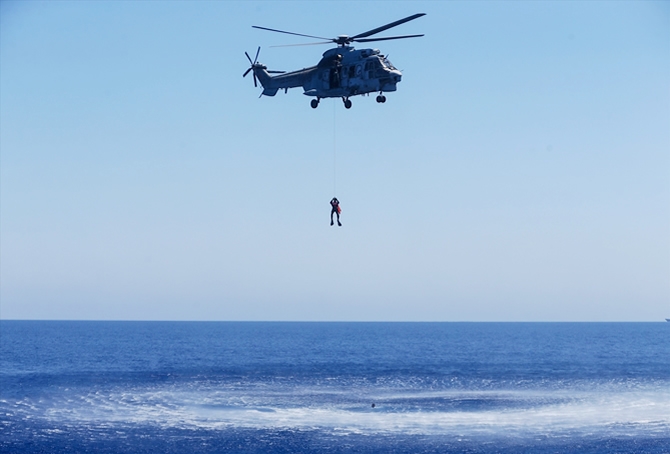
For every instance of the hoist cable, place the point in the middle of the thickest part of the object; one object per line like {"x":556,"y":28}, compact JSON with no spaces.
{"x":334,"y":150}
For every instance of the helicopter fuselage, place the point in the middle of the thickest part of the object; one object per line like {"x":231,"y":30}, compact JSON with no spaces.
{"x":342,"y":72}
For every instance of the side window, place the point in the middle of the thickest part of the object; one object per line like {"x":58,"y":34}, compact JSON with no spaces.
{"x":352,"y":70}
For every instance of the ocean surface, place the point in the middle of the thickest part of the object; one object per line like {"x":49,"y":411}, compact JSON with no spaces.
{"x":247,"y":387}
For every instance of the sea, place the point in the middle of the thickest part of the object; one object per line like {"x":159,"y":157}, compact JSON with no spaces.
{"x":285,"y":387}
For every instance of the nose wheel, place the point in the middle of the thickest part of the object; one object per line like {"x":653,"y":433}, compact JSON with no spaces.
{"x":314,"y":103}
{"x":347,"y":103}
{"x":381,"y":98}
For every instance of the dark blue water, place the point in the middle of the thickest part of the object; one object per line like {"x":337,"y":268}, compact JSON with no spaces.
{"x":309,"y":387}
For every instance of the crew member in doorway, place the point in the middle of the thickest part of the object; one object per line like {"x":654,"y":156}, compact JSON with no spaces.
{"x":336,"y":210}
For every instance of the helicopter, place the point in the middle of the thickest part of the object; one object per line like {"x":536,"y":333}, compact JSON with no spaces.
{"x":342,"y":72}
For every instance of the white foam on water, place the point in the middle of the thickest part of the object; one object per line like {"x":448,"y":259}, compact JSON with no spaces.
{"x":618,"y":413}
{"x":612,"y":415}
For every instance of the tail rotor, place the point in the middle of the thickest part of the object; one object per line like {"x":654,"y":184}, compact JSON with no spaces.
{"x":255,"y":65}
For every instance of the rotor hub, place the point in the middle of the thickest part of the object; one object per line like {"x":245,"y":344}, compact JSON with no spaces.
{"x":342,"y":40}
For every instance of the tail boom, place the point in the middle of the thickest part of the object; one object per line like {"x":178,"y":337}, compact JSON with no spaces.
{"x":272,"y":84}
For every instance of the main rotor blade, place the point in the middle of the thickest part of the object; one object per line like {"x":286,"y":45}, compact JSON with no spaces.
{"x":387,"y":26}
{"x":290,"y":33}
{"x":305,"y":44}
{"x":248,"y":57}
{"x":367,"y":40}
{"x":255,"y":83}
{"x":247,"y":72}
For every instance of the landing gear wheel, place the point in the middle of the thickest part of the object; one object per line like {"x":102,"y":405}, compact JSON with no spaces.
{"x":314,"y":103}
{"x":347,"y":103}
{"x":379,"y":98}
{"x":383,"y":98}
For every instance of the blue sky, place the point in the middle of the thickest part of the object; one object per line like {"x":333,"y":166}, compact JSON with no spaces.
{"x":521,"y":172}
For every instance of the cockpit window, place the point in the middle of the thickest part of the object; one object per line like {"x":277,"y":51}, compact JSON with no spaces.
{"x":387,"y":63}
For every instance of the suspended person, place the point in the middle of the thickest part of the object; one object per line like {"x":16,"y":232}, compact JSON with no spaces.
{"x":336,"y":210}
